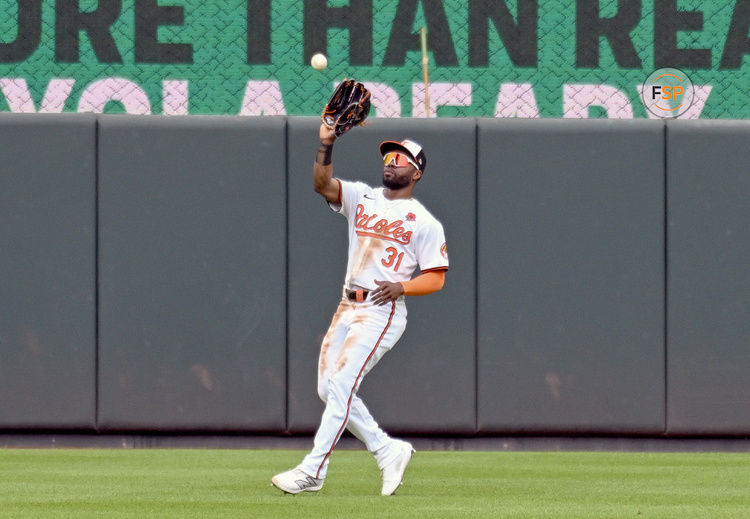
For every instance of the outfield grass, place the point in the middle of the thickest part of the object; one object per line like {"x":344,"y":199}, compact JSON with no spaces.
{"x":236,"y":483}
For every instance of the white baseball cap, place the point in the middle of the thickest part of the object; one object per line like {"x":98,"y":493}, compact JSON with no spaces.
{"x":410,"y":148}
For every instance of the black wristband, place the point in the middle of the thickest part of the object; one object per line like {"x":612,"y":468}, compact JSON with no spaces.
{"x":325,"y":151}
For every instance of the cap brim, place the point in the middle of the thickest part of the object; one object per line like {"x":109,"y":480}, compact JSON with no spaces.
{"x":388,"y":146}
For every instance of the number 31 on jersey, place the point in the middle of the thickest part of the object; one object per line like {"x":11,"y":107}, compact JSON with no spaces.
{"x":393,"y":257}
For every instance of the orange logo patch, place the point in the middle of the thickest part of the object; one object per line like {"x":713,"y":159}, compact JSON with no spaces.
{"x":444,"y":250}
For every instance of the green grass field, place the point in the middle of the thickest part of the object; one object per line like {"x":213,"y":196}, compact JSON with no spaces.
{"x":236,"y":483}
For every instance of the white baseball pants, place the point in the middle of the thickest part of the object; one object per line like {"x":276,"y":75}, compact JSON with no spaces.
{"x":358,"y":337}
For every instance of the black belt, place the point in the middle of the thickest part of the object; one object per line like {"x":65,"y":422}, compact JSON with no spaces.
{"x":358,"y":296}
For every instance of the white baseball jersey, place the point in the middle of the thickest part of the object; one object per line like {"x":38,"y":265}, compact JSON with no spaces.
{"x":388,"y":239}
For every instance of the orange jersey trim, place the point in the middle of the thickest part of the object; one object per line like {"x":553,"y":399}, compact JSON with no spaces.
{"x":436,"y":269}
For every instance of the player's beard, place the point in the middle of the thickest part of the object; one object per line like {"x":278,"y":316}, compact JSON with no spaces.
{"x":396,"y":182}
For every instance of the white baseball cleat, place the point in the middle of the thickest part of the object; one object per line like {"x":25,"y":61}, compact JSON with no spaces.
{"x":393,"y":473}
{"x":295,"y":481}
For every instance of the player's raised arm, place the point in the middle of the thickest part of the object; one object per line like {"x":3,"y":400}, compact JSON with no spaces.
{"x":323,"y":182}
{"x":348,"y":106}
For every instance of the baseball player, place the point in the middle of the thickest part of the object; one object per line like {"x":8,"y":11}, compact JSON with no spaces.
{"x":390,"y":234}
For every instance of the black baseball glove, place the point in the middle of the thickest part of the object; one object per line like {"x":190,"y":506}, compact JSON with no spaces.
{"x":348,"y":107}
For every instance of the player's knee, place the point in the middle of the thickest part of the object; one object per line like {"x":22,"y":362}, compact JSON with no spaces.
{"x":323,"y":390}
{"x":339,"y":387}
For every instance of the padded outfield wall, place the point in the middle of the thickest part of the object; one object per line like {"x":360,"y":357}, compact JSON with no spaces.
{"x":178,"y":274}
{"x":510,"y":58}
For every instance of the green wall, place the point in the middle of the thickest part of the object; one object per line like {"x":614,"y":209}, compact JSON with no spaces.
{"x":546,"y":58}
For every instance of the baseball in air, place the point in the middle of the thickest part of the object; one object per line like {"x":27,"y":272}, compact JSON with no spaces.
{"x":319,"y":61}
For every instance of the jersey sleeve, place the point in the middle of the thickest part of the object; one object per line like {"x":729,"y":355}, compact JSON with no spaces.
{"x":349,"y":194}
{"x":432,"y":252}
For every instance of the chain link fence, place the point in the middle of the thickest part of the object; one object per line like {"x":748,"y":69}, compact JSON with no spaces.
{"x":513,"y":58}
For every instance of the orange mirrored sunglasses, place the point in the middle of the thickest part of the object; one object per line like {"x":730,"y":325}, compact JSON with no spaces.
{"x":399,"y":159}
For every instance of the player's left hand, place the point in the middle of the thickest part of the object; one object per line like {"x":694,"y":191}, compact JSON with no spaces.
{"x":386,"y":292}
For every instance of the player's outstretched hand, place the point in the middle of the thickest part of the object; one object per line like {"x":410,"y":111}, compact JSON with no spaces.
{"x":327,"y":135}
{"x":348,"y":107}
{"x":386,"y":292}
